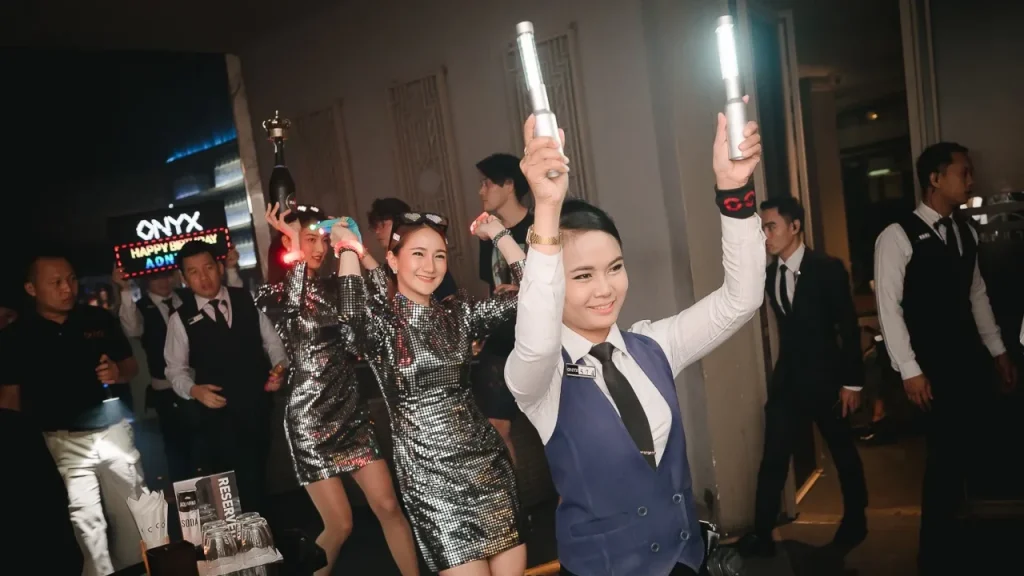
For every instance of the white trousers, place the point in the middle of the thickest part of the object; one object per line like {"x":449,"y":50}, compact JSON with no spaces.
{"x":101,"y":469}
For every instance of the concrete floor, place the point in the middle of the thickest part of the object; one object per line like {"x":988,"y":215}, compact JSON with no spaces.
{"x":893,"y":476}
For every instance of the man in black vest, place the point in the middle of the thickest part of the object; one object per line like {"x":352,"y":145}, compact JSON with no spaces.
{"x":225,"y":354}
{"x":147,"y":320}
{"x":941,"y":336}
{"x":817,"y":378}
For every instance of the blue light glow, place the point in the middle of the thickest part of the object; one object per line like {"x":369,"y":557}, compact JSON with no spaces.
{"x":217,"y":139}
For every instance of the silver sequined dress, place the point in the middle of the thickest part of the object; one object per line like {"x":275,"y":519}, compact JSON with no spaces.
{"x":455,"y":474}
{"x":327,"y":426}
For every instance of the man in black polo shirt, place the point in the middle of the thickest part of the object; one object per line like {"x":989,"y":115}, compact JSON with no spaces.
{"x":58,"y":360}
{"x":502,"y":189}
{"x":224,"y":353}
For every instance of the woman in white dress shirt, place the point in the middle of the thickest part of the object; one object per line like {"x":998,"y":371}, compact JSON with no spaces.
{"x":603,"y":400}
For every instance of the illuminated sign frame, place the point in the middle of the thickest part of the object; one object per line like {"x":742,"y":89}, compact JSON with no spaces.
{"x":137,"y":257}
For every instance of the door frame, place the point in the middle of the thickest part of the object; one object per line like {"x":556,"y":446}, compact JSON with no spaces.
{"x":796,"y":156}
{"x":919,"y":76}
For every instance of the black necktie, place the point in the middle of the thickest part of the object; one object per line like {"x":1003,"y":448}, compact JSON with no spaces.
{"x":787,"y":306}
{"x":951,"y":247}
{"x":170,"y":306}
{"x":218,"y":316}
{"x":624,"y":397}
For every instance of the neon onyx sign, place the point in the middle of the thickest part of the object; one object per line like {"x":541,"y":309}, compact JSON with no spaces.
{"x":153,"y":229}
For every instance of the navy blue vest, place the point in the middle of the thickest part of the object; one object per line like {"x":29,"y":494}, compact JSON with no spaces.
{"x":618,"y":517}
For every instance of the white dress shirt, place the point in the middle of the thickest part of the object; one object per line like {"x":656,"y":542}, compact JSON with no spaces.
{"x":792,"y":273}
{"x":534,"y":369}
{"x":892,"y":254}
{"x":792,"y":277}
{"x":176,"y":347}
{"x":132,"y":323}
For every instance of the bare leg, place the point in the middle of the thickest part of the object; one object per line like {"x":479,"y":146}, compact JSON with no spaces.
{"x":509,"y":563}
{"x":474,"y":568}
{"x":504,"y":427}
{"x":332,"y":503}
{"x":375,"y":481}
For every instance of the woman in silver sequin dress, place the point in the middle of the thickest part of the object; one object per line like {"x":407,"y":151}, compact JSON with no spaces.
{"x":327,"y":425}
{"x":454,"y":471}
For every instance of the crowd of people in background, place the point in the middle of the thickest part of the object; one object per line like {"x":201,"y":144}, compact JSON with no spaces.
{"x":456,"y":371}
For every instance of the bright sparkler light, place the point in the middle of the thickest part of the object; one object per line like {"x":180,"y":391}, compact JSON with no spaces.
{"x":528,"y":53}
{"x":727,"y":48}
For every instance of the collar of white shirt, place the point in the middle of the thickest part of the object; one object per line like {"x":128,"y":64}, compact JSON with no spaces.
{"x":577,"y":346}
{"x":222,"y":296}
{"x":158,"y":299}
{"x":795,"y":259}
{"x":929,"y":215}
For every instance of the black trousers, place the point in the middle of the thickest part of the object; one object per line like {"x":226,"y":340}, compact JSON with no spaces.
{"x":679,"y":570}
{"x":785,"y":415}
{"x":949,"y":426}
{"x":237,"y":438}
{"x":179,"y":426}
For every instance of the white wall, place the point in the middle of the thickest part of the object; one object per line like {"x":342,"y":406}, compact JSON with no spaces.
{"x":980,"y":83}
{"x":354,"y":52}
{"x":645,"y":180}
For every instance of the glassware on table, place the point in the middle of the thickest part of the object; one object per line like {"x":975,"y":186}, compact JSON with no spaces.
{"x":255,"y":535}
{"x":246,"y":516}
{"x":213,"y":525}
{"x":219,"y":543}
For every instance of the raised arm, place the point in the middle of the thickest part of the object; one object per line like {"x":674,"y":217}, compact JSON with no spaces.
{"x":696,"y":331}
{"x":531,"y":368}
{"x":486,"y":315}
{"x":127,"y":312}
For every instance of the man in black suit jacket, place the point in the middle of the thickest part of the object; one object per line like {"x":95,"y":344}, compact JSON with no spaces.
{"x":818,"y":375}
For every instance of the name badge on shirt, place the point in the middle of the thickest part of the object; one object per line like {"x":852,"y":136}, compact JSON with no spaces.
{"x":577,"y":371}
{"x":195,"y":319}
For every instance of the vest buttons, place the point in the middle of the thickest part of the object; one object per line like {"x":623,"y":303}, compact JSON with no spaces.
{"x":677,"y":498}
{"x":641,"y":511}
{"x":684,"y":535}
{"x":655,"y":547}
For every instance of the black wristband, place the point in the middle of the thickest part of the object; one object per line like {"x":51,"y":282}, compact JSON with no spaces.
{"x":738,"y":202}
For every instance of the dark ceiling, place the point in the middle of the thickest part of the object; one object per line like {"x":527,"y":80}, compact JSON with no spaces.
{"x":181,"y":25}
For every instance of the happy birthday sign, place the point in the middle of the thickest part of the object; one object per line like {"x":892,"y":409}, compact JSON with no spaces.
{"x":149,"y":242}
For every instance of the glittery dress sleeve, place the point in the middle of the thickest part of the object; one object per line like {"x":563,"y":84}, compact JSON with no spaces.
{"x":280,"y":302}
{"x":487,"y":315}
{"x":359,"y":310}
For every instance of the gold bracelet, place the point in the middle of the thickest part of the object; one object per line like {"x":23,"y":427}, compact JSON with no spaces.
{"x":532,"y":238}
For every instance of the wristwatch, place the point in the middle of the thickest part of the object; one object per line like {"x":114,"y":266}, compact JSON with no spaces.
{"x":532,"y":238}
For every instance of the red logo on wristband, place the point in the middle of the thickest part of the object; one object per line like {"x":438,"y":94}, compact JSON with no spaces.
{"x":735,"y":204}
{"x":748,"y":199}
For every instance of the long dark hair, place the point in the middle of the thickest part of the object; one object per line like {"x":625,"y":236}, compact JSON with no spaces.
{"x":582,"y":216}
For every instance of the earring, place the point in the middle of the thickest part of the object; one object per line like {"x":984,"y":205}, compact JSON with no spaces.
{"x":394,"y":271}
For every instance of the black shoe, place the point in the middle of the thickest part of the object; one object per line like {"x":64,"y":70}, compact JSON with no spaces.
{"x":879,"y":433}
{"x":850,"y":534}
{"x":754,"y":545}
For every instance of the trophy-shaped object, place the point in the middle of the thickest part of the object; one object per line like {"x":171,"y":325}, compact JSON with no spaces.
{"x":282,"y":187}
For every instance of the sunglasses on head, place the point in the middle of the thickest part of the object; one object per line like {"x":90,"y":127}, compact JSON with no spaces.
{"x":435,"y":221}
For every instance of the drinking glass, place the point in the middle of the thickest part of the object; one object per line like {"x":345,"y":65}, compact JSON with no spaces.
{"x":219,"y":543}
{"x":213,"y":525}
{"x":256,"y":535}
